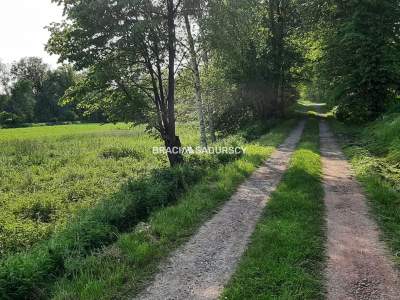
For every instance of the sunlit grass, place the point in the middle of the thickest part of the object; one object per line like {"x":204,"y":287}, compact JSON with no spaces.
{"x":313,"y":109}
{"x":48,"y":173}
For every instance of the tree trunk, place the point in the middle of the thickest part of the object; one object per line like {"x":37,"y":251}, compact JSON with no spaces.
{"x":276,"y":24}
{"x":171,"y":140}
{"x":210,"y":109}
{"x":208,"y":101}
{"x":211,"y":127}
{"x":197,"y":82}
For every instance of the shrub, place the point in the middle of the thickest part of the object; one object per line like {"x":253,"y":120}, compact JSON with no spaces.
{"x":119,"y":152}
{"x":256,"y":130}
{"x":39,"y":211}
{"x":9,"y":119}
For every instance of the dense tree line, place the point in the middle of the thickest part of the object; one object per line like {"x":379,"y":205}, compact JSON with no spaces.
{"x":223,"y":63}
{"x":355,"y":56}
{"x":248,"y":58}
{"x":135,"y":53}
{"x":30,"y":92}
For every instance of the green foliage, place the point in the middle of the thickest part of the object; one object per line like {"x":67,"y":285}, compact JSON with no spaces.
{"x":22,"y":101}
{"x":285,"y":258}
{"x":360,"y":60}
{"x":93,"y":228}
{"x":31,"y":69}
{"x":253,"y":43}
{"x":48,"y":106}
{"x":119,"y":152}
{"x":256,"y":130}
{"x":34,"y":93}
{"x":9,"y":119}
{"x":95,"y":95}
{"x":49,"y":173}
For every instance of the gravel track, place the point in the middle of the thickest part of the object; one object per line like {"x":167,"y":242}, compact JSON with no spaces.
{"x":200,"y":268}
{"x":359,"y":266}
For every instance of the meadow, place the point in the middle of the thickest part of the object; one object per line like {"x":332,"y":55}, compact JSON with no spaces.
{"x":48,"y":173}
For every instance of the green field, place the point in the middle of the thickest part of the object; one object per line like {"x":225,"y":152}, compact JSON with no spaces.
{"x":48,"y":173}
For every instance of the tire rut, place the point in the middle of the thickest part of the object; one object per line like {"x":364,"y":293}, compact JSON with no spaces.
{"x":359,"y":266}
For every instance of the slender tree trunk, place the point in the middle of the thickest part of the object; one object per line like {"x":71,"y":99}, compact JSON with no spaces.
{"x":197,"y":82}
{"x":210,"y":110}
{"x":211,"y":127}
{"x":208,"y":100}
{"x":172,"y":141}
{"x":276,"y":24}
{"x":274,"y":50}
{"x":281,"y":43}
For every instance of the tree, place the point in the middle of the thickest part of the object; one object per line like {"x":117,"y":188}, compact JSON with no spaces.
{"x":4,"y":90}
{"x":281,"y":21}
{"x":22,"y":101}
{"x":32,"y":69}
{"x":190,"y":10}
{"x":253,"y":42}
{"x":5,"y":79}
{"x":53,"y":88}
{"x":361,"y":59}
{"x":95,"y":96}
{"x":133,"y":43}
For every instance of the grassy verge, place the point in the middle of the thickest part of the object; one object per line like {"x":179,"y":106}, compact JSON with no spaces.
{"x":286,"y":254}
{"x":25,"y":274}
{"x":374,"y":152}
{"x":119,"y":270}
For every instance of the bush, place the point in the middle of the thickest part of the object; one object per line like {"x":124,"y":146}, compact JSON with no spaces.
{"x":119,"y":152}
{"x":256,"y":130}
{"x":9,"y":119}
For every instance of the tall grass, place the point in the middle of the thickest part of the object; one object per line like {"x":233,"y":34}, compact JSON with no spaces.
{"x":47,"y":174}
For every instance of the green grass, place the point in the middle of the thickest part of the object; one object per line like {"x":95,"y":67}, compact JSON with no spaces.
{"x":312,"y":109}
{"x":285,"y":258}
{"x":119,"y":270}
{"x":49,"y":173}
{"x":57,"y":130}
{"x":27,"y":273}
{"x":374,"y":152}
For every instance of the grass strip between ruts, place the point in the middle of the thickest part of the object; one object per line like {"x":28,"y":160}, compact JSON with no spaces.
{"x":285,"y":258}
